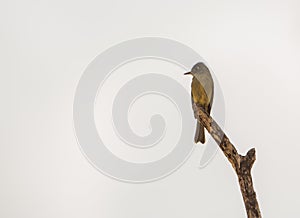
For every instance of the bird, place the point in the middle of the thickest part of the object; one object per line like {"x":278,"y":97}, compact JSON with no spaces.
{"x":202,"y":93}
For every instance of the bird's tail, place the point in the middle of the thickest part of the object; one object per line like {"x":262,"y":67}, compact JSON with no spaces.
{"x":199,"y":135}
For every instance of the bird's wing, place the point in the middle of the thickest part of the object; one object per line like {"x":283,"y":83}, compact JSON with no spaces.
{"x":211,"y":99}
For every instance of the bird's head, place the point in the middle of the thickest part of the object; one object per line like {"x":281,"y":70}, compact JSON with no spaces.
{"x":198,"y":69}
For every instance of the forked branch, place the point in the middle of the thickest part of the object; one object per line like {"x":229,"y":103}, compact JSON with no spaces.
{"x":241,"y":164}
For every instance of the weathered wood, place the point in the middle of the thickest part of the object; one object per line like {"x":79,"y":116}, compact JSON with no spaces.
{"x":241,"y":164}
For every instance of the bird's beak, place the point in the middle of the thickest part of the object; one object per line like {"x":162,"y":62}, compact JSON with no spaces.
{"x":188,"y":73}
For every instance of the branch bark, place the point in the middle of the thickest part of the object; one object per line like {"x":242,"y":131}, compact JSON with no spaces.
{"x":241,"y":164}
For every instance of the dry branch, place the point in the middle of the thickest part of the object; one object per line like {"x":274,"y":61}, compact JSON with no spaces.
{"x":241,"y":164}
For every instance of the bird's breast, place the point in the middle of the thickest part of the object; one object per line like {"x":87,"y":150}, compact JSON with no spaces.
{"x":199,"y":95}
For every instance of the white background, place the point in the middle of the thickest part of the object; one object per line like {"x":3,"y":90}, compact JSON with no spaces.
{"x":253,"y":48}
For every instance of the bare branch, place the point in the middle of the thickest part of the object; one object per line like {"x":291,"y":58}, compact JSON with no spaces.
{"x":241,"y":164}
